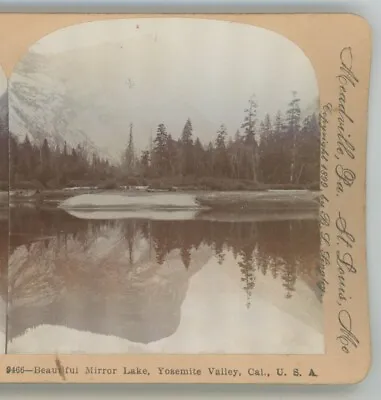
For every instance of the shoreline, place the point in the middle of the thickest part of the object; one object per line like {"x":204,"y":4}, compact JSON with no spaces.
{"x":242,"y":201}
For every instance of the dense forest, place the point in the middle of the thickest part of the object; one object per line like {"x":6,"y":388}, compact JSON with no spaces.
{"x":277,"y":151}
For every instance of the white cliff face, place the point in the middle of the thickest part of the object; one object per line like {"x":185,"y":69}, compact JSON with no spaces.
{"x":40,"y":108}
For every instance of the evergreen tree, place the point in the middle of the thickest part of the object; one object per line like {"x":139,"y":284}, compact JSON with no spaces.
{"x":307,"y":165}
{"x":172,"y":156}
{"x":235,"y":150}
{"x":278,"y":124}
{"x":251,"y":145}
{"x":161,"y":162}
{"x":222,"y":162}
{"x":199,"y":159}
{"x":270,"y":151}
{"x":293,"y":128}
{"x":27,"y":162}
{"x":129,"y":156}
{"x":209,"y":159}
{"x":44,"y":167}
{"x":279,"y":152}
{"x":145,"y":163}
{"x":45,"y":153}
{"x":187,"y":149}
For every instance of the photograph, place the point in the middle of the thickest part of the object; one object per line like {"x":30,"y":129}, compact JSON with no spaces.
{"x":163,"y":192}
{"x":4,"y":209}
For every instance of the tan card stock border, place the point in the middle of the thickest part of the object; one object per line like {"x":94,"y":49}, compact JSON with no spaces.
{"x":339,"y":47}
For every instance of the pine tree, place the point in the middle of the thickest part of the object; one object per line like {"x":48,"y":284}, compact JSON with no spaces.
{"x":161,"y":162}
{"x":199,"y":159}
{"x":235,"y":155}
{"x":45,"y":170}
{"x":293,"y":128}
{"x":129,"y":157}
{"x":221,"y":138}
{"x":27,"y":165}
{"x":187,"y":149}
{"x":307,"y":169}
{"x":278,"y":124}
{"x":222,"y":162}
{"x":172,"y":156}
{"x":251,"y":145}
{"x":279,"y":152}
{"x":45,"y":153}
{"x":267,"y":146}
{"x":145,"y":162}
{"x":209,"y":159}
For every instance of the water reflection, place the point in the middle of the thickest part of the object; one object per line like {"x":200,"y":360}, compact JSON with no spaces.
{"x":3,"y":274}
{"x":154,"y":282}
{"x":4,"y":172}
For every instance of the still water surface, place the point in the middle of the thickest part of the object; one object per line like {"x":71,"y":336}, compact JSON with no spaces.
{"x":236,"y":283}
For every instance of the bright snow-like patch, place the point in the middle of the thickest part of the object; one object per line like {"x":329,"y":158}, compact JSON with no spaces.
{"x":118,"y":201}
{"x":164,"y":215}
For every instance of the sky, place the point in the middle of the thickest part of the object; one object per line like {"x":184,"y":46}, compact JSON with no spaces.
{"x":148,"y":71}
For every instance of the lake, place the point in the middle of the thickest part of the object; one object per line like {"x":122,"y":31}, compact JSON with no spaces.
{"x":144,"y":282}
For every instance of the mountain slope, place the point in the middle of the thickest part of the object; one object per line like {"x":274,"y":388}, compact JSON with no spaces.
{"x":90,"y":95}
{"x":40,"y":108}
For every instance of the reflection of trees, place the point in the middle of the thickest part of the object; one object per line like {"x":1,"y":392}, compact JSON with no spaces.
{"x":288,"y":250}
{"x":247,"y":267}
{"x":97,"y":276}
{"x":29,"y":224}
{"x":130,"y":234}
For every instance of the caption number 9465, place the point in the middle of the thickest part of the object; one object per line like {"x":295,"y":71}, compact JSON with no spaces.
{"x":15,"y":370}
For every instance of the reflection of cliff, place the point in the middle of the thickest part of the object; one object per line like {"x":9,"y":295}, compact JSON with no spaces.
{"x":287,"y":249}
{"x":213,"y":320}
{"x":106,"y":280}
{"x":129,"y":278}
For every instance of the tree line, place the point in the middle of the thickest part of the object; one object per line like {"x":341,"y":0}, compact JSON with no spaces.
{"x":276,"y":151}
{"x":283,"y":150}
{"x":52,"y":167}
